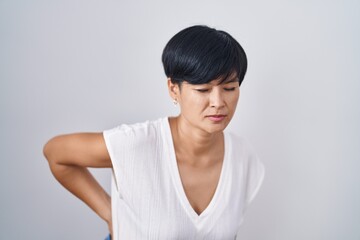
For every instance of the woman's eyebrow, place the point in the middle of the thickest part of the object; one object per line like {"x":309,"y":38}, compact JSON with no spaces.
{"x":235,"y":79}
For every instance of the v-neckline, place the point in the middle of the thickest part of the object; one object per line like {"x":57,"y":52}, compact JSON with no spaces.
{"x":175,"y":174}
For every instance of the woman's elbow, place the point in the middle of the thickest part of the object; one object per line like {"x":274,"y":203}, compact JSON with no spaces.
{"x":49,"y":150}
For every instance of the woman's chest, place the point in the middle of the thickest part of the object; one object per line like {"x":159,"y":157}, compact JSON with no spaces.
{"x":199,"y":184}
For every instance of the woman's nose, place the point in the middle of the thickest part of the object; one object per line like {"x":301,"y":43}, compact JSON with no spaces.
{"x":216,"y":98}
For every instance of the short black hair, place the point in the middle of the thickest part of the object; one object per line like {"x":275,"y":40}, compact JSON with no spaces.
{"x":200,"y":54}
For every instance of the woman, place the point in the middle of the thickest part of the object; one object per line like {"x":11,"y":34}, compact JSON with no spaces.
{"x":180,"y":177}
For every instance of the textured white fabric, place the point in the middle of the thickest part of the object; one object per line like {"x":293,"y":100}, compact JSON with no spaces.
{"x":148,"y":200}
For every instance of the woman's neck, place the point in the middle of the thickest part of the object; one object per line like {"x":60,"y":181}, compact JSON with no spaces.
{"x":192,"y":141}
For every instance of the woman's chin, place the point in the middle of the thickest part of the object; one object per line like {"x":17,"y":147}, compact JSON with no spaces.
{"x":216,"y":128}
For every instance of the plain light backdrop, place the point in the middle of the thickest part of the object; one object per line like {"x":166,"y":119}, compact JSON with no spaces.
{"x":74,"y":66}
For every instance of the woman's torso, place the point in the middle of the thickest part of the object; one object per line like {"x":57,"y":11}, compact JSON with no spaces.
{"x":151,"y":200}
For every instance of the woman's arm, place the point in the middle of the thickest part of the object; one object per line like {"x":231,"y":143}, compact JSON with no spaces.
{"x":69,"y":156}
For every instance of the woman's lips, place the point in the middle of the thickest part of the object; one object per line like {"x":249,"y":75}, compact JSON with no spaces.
{"x":216,"y":118}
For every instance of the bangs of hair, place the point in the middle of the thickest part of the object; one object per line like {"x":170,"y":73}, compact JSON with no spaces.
{"x":200,"y":54}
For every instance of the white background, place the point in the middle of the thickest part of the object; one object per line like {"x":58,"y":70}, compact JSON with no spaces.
{"x":73,"y":66}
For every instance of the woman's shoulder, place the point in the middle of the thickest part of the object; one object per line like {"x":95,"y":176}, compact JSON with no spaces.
{"x":240,"y":142}
{"x":243,"y":149}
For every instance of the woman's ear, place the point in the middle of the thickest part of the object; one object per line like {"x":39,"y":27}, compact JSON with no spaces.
{"x":173,"y":89}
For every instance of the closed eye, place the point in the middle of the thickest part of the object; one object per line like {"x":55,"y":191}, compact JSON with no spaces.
{"x":202,"y":90}
{"x":229,"y":89}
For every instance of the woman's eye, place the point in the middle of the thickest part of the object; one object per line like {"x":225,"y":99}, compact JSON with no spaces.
{"x":229,"y":89}
{"x":202,"y":90}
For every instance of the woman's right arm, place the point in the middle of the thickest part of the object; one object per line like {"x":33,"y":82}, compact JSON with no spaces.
{"x":69,"y":156}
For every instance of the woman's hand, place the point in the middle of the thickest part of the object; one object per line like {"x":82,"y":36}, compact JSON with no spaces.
{"x":107,"y":216}
{"x":110,"y":228}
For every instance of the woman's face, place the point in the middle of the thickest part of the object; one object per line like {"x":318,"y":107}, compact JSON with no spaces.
{"x":209,"y":107}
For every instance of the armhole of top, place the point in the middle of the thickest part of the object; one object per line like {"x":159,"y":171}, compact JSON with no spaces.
{"x":113,"y":176}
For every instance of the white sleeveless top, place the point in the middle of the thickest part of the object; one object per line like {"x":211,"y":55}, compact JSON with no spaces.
{"x":148,"y":199}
